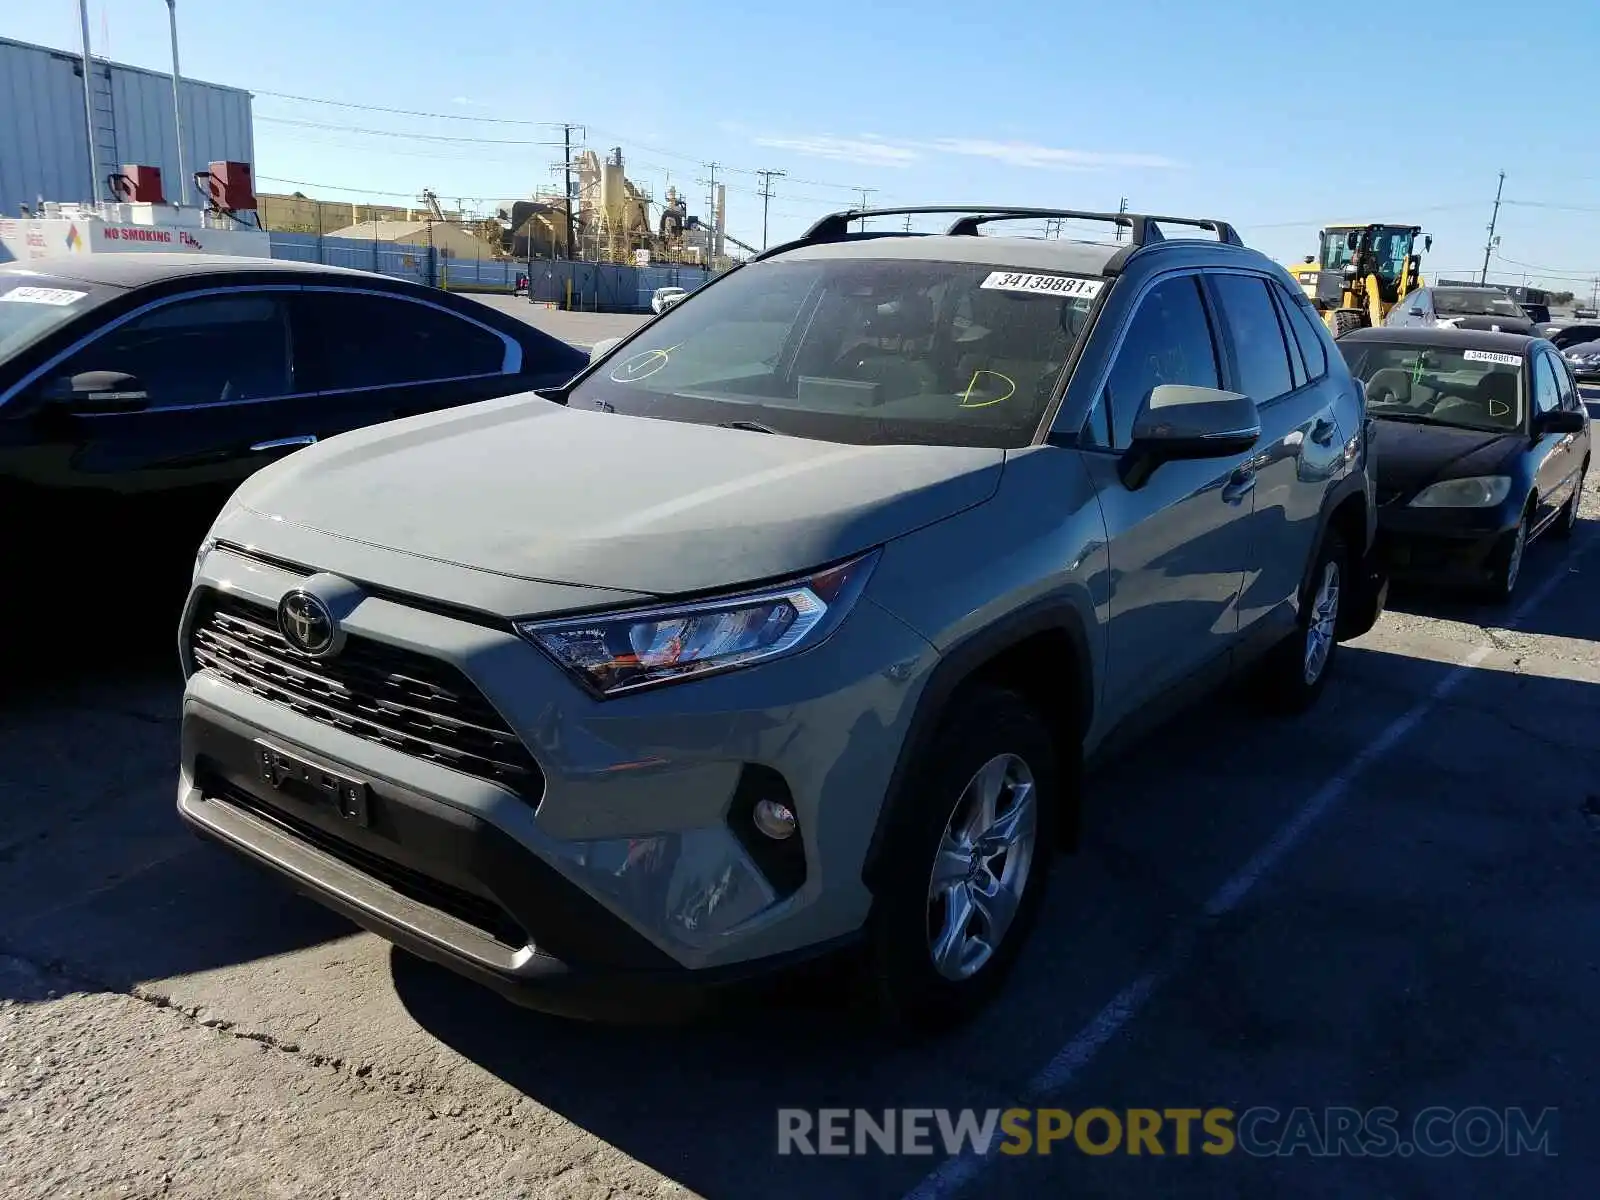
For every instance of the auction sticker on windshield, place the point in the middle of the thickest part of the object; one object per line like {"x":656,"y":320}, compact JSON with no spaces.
{"x":1494,"y":356}
{"x":1044,"y":285}
{"x":42,"y":295}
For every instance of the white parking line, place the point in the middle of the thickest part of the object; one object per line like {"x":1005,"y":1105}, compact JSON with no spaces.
{"x":955,"y":1173}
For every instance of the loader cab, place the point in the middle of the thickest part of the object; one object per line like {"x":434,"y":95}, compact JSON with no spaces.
{"x":1350,"y":253}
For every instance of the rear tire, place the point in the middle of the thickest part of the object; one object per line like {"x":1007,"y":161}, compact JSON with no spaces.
{"x":1347,"y":320}
{"x":1294,"y":672}
{"x":930,"y":965}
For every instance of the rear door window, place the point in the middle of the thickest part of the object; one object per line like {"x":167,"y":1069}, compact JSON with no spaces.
{"x":212,"y":349}
{"x":366,"y":340}
{"x":1260,"y":355}
{"x":1304,"y":328}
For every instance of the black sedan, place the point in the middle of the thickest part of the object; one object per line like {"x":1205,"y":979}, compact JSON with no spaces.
{"x":138,"y":390}
{"x":1482,"y":444}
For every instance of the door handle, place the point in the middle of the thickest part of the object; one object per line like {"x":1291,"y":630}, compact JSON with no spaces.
{"x":1322,"y":431}
{"x":304,"y":439}
{"x":1240,"y":484}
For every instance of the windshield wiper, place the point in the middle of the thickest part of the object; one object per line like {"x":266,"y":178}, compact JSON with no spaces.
{"x":1414,"y":418}
{"x":751,"y":426}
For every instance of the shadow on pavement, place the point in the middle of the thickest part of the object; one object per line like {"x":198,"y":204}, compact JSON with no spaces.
{"x":1547,"y":558}
{"x":1448,"y":837}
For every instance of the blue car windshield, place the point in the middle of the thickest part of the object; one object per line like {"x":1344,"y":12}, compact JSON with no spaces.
{"x":32,"y":305}
{"x":1470,"y":389}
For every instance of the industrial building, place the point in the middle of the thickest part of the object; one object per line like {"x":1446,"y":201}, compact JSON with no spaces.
{"x":44,"y":139}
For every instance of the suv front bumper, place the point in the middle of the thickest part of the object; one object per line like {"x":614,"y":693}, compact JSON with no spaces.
{"x":623,"y":888}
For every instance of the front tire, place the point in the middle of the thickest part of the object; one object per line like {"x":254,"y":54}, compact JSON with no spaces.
{"x":1296,"y":670}
{"x":1567,"y":523}
{"x":1508,"y":558}
{"x":966,"y":863}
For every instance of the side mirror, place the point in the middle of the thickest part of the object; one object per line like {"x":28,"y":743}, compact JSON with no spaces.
{"x":1352,"y":239}
{"x":98,"y":391}
{"x":1427,"y":242}
{"x":1182,"y":422}
{"x":1311,"y":258}
{"x":602,"y":348}
{"x":1563,"y":420}
{"x":1416,"y":312}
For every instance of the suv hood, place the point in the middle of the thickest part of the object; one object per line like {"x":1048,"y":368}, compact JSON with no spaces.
{"x":526,"y":488}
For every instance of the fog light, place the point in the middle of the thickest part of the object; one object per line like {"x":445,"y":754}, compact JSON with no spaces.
{"x":775,"y":820}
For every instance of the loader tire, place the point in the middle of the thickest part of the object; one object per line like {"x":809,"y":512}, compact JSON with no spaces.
{"x":1345,"y":320}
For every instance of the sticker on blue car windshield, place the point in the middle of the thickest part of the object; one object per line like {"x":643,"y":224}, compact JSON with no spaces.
{"x":1044,"y":285}
{"x":1494,"y":356}
{"x":42,"y":295}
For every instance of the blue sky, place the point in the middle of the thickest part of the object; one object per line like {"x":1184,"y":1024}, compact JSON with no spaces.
{"x":1230,"y":108}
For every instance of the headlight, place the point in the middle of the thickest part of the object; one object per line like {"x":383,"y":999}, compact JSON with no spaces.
{"x":206,"y":547}
{"x":617,"y":652}
{"x":1481,"y":491}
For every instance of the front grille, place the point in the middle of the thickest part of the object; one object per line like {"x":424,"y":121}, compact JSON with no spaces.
{"x":416,"y":704}
{"x":482,"y":914}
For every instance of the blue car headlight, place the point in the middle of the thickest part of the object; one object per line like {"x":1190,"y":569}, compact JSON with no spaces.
{"x":1478,"y":491}
{"x":615,"y":652}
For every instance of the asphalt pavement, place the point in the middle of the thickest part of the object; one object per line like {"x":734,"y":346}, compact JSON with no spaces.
{"x":1389,"y":902}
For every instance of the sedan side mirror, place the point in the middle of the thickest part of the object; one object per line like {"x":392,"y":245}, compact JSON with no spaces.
{"x":1416,"y":312}
{"x":1562,"y":420}
{"x":99,"y":392}
{"x":602,"y":348}
{"x":1183,"y":422}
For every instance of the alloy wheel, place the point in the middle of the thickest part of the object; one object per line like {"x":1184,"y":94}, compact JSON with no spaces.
{"x":981,"y":870}
{"x":1323,"y":625}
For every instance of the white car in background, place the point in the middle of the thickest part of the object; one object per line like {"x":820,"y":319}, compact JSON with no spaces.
{"x":665,"y":298}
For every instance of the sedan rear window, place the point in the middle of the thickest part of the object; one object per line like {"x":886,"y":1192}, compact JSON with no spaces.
{"x":32,"y":305}
{"x":1471,"y":389}
{"x":859,"y":351}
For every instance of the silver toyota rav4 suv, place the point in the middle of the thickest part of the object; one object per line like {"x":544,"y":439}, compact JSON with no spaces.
{"x":789,"y":625}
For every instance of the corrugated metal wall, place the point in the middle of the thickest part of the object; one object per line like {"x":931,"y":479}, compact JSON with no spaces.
{"x":43,"y":147}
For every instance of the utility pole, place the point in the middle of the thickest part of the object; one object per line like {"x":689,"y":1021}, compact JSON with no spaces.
{"x":766,"y":195}
{"x":1122,"y":208}
{"x":566,"y":166}
{"x":1483,"y":276}
{"x":864,"y":193}
{"x":88,"y":103}
{"x":710,"y":223}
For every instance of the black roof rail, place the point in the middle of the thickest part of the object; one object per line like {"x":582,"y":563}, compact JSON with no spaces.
{"x":1144,"y":226}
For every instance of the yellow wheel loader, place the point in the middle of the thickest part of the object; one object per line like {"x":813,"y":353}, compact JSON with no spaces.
{"x":1361,"y":272}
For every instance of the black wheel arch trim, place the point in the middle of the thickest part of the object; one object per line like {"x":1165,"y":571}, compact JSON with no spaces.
{"x":958,"y":666}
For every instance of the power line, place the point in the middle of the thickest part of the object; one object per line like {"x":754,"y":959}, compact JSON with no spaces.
{"x":329,"y":187}
{"x":395,"y":133}
{"x":404,"y":112}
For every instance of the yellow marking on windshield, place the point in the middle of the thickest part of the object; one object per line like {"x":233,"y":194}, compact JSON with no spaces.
{"x":966,"y":397}
{"x":642,"y":365}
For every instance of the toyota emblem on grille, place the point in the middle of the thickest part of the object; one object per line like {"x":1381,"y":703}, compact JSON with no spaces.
{"x":306,"y":623}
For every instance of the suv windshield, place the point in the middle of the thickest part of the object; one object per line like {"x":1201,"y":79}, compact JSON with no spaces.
{"x":1472,"y":389}
{"x":32,"y":305}
{"x":1464,"y":303}
{"x":857,"y":350}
